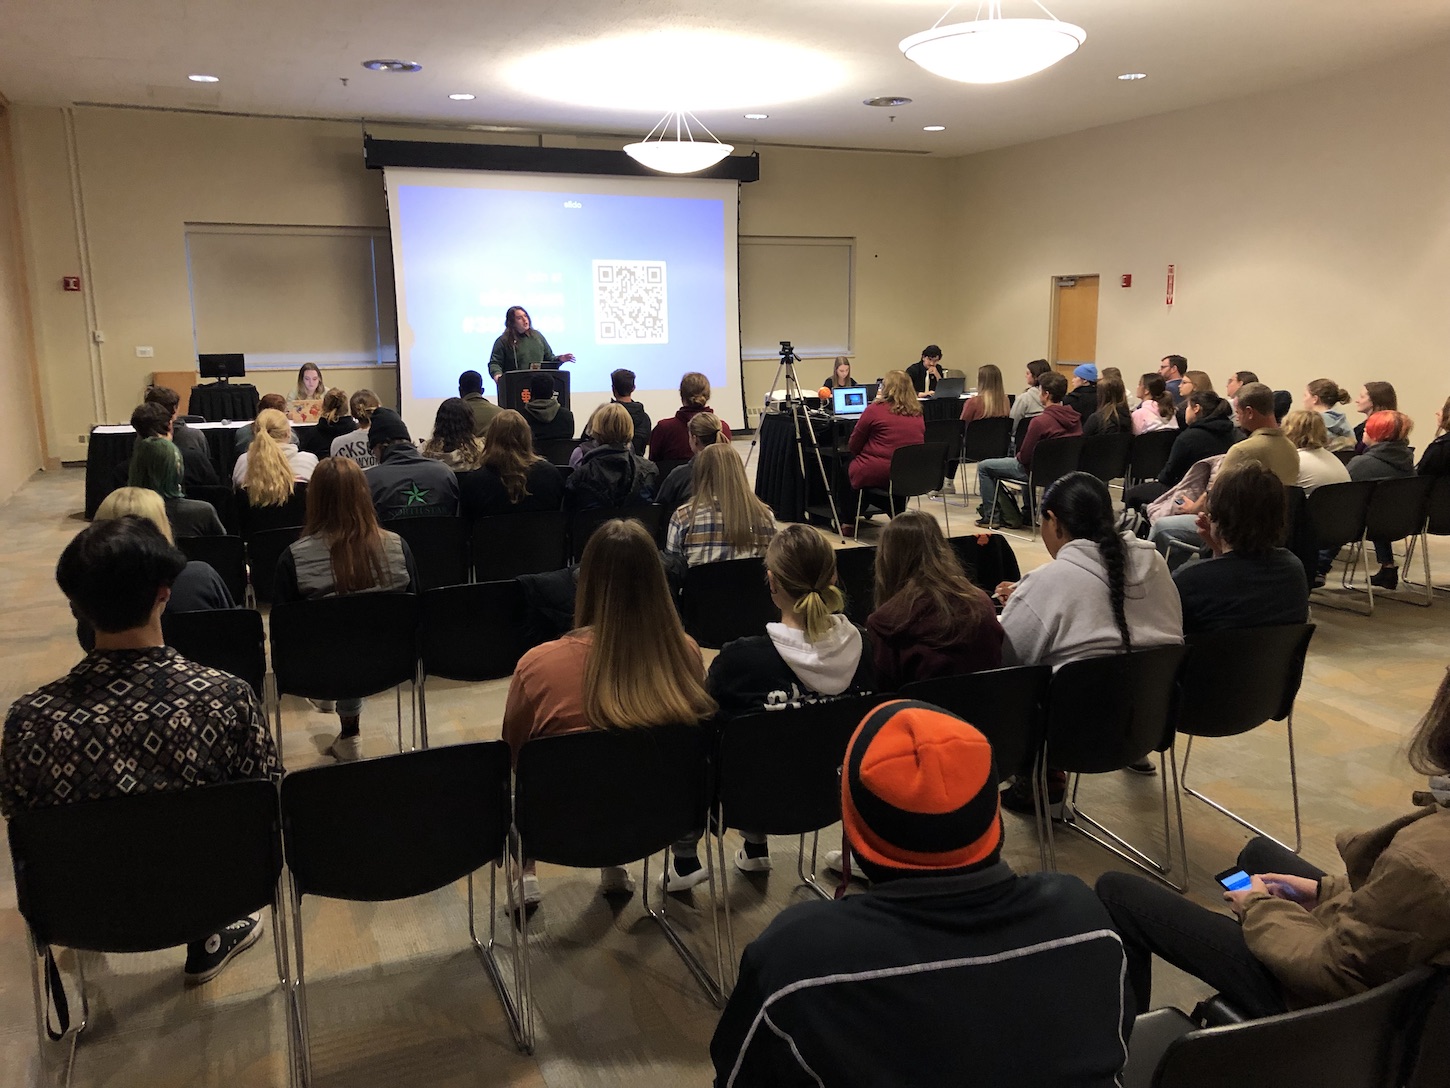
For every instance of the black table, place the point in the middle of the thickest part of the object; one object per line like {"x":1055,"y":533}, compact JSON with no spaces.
{"x":220,"y":401}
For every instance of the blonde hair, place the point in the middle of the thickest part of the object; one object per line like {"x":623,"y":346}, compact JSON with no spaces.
{"x":897,"y":390}
{"x":704,"y":428}
{"x":1306,"y":430}
{"x":804,"y":567}
{"x":694,"y":389}
{"x":991,"y":393}
{"x":269,"y":477}
{"x":641,"y":669}
{"x":718,"y":481}
{"x":140,"y":502}
{"x":611,"y":425}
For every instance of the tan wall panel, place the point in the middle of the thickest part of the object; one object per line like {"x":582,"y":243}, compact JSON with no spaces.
{"x":20,"y":449}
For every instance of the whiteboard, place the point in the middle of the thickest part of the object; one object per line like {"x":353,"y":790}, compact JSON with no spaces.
{"x":796,"y":289}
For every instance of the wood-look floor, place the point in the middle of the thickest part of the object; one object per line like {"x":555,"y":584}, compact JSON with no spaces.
{"x":399,"y":998}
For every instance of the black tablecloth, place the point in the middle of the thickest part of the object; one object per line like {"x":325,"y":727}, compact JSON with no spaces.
{"x":778,"y":481}
{"x":218,"y":401}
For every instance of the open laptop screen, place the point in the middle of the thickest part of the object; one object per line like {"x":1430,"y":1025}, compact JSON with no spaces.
{"x":850,"y":400}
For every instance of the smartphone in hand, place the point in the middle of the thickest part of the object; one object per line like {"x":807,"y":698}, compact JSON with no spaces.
{"x":1233,"y":879}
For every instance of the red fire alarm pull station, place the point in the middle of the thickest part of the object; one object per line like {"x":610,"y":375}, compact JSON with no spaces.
{"x":1128,"y":279}
{"x":71,"y":283}
{"x":1170,"y":285}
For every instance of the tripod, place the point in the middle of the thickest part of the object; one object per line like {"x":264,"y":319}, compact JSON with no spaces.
{"x":795,"y":403}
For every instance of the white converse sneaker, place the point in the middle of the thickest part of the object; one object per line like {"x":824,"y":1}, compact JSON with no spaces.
{"x":833,"y":864}
{"x":615,"y":880}
{"x":346,"y":749}
{"x":532,"y":896}
{"x":747,"y":864}
{"x":672,"y":880}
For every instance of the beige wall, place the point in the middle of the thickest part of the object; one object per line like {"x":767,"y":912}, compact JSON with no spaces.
{"x":1310,"y":228}
{"x":20,"y":448}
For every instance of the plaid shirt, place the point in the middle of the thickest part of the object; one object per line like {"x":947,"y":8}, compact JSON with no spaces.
{"x":698,"y":534}
{"x":128,"y":722}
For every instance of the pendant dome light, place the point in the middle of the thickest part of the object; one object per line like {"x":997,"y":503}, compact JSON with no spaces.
{"x":679,"y":153}
{"x":993,"y":49}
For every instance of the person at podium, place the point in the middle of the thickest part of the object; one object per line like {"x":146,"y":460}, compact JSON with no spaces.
{"x":522,"y":347}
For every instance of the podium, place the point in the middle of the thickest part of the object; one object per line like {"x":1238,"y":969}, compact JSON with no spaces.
{"x":513,"y":384}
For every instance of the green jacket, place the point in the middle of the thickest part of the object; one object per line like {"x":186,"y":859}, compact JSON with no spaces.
{"x":530,"y":349}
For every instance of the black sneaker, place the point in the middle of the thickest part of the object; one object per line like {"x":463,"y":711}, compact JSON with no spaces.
{"x":1387,"y":578}
{"x":1143,"y":766}
{"x":205,"y":959}
{"x":1018,"y":798}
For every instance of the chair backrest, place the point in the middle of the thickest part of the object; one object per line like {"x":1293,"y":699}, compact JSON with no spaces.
{"x":1006,"y":705}
{"x":1398,"y":508}
{"x":222,"y":499}
{"x":726,"y":600}
{"x":778,"y":771}
{"x":507,"y":545}
{"x":1234,"y":681}
{"x":439,"y":546}
{"x":1148,"y":453}
{"x":1299,"y":533}
{"x":1106,"y":455}
{"x":915,"y":470}
{"x":227,"y":555}
{"x":1104,"y":713}
{"x":229,"y":639}
{"x":1438,"y":507}
{"x":987,"y":558}
{"x":610,"y":796}
{"x":1054,"y":458}
{"x":1357,"y":1042}
{"x":557,"y":451}
{"x":398,"y":826}
{"x":948,"y":432}
{"x":584,"y":523}
{"x":473,"y":632}
{"x":1346,"y":456}
{"x":255,"y":519}
{"x":1430,"y":1055}
{"x":140,"y":873}
{"x":856,"y":575}
{"x":669,"y":465}
{"x":344,"y":647}
{"x":1337,"y":511}
{"x":264,"y":549}
{"x":987,"y":438}
{"x":1020,"y":433}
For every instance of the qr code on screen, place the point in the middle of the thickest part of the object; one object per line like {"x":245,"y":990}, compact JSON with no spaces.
{"x":631,"y":305}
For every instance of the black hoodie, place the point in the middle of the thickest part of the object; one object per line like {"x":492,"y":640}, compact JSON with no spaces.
{"x":1200,"y":439}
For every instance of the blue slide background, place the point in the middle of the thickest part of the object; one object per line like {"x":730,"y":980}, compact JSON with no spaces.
{"x":468,"y":254}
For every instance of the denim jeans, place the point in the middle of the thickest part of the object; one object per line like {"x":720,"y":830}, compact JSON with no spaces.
{"x":1182,"y":528}
{"x":992,"y":470}
{"x":1155,"y":920}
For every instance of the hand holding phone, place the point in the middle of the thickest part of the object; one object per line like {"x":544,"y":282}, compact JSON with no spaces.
{"x":1234,"y":879}
{"x":1296,"y":889}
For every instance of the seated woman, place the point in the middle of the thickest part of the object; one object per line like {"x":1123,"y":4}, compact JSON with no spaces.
{"x":991,"y":399}
{"x":1155,"y":409}
{"x":1104,"y":593}
{"x":343,"y":550}
{"x":705,"y":431}
{"x":1373,"y":397}
{"x":333,"y":423}
{"x":628,"y":663}
{"x":891,"y":421}
{"x":1317,"y":466}
{"x":611,"y":475}
{"x":722,"y":519}
{"x":157,"y":464}
{"x":841,"y":375}
{"x":930,"y":620}
{"x":354,"y":445}
{"x":306,"y":403}
{"x":1208,"y":430}
{"x":272,"y":463}
{"x":511,"y":478}
{"x":453,"y":441}
{"x":1387,"y":456}
{"x":1435,"y":461}
{"x":1321,"y":397}
{"x":670,"y":440}
{"x":1304,"y":937}
{"x":1112,"y":415}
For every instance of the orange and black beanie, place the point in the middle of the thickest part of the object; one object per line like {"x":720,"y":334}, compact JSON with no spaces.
{"x":919,"y":790}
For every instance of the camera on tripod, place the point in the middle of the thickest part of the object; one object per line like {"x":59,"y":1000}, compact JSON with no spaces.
{"x":786,"y":351}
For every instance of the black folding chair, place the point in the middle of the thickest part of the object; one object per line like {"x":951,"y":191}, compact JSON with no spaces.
{"x":256,"y":519}
{"x":310,"y":660}
{"x":1437,"y":523}
{"x":987,"y":558}
{"x":439,"y":546}
{"x":1399,"y":510}
{"x":223,"y":500}
{"x":726,"y":600}
{"x":949,"y":433}
{"x":1266,"y":665}
{"x":1106,"y":456}
{"x":1148,"y":454}
{"x":507,"y":545}
{"x":139,"y":874}
{"x":472,"y":633}
{"x":264,"y":549}
{"x":915,"y":471}
{"x":1104,"y":713}
{"x":585,"y":522}
{"x":610,"y":797}
{"x":1336,"y":514}
{"x":779,"y":773}
{"x":983,"y":440}
{"x":856,"y":575}
{"x":227,"y":555}
{"x":229,"y":639}
{"x":1052,"y":459}
{"x":557,"y":451}
{"x":1019,"y":434}
{"x":669,"y":465}
{"x":398,"y":827}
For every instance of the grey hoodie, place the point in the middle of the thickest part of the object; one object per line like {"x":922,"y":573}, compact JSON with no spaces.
{"x":1062,"y":611}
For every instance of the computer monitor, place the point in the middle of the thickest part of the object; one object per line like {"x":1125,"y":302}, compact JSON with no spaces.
{"x":850,"y":400}
{"x":222,"y":365}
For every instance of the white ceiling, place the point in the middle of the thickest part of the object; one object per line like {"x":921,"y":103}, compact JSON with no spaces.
{"x":289,"y":57}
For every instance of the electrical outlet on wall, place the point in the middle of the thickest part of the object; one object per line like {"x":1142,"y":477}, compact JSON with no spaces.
{"x":145,"y":351}
{"x":83,"y":438}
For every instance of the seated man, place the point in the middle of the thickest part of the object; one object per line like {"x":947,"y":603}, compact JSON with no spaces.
{"x":470,"y":388}
{"x":154,"y":420}
{"x":926,"y":371}
{"x":1251,"y":581}
{"x":134,"y":716}
{"x":245,"y":432}
{"x":185,"y":438}
{"x":952,"y":969}
{"x":404,"y":483}
{"x":548,"y":419}
{"x":1172,"y":368}
{"x":1082,"y":393}
{"x":1056,"y":420}
{"x":621,"y":385}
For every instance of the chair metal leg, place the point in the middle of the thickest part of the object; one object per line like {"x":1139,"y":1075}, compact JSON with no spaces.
{"x":719,"y":847}
{"x":398,"y":695}
{"x":1116,"y":844}
{"x":1235,"y":817}
{"x":714,"y":988}
{"x":807,"y":877}
{"x":298,"y":1002}
{"x":512,"y":1002}
{"x":1420,"y":541}
{"x":277,"y":723}
{"x":42,"y":1008}
{"x":518,"y":910}
{"x":1346,"y":581}
{"x":856,"y":525}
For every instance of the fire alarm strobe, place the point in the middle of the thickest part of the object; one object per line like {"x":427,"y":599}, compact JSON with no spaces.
{"x":1127,"y":279}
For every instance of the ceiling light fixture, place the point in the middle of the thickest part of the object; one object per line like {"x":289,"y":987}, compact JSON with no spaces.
{"x":1134,"y":75}
{"x":887,"y":100}
{"x":392,"y":66}
{"x":682,"y":153}
{"x":756,"y":116}
{"x":204,"y":79}
{"x":461,"y":97}
{"x":994,"y":49}
{"x":934,"y":128}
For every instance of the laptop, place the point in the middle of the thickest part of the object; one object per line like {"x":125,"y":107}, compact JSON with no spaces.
{"x":950,"y":388}
{"x":850,"y":400}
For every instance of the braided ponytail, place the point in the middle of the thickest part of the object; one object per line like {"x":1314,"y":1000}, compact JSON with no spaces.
{"x":1083,"y":508}
{"x":1115,"y":559}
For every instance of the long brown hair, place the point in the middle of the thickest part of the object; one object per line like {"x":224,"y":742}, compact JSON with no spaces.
{"x":302,"y":370}
{"x":803,"y":565}
{"x":340,"y":511}
{"x":718,"y":480}
{"x":897,"y":391}
{"x":1430,"y":746}
{"x":334,"y":404}
{"x":991,"y":392}
{"x":269,"y":477}
{"x":1382,"y":396}
{"x":362,"y":405}
{"x":1112,"y":399}
{"x":914,"y":562}
{"x":641,"y":669}
{"x":1157,"y":392}
{"x":509,"y":451}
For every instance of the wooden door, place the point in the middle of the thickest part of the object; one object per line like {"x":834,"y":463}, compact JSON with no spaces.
{"x":1074,"y":322}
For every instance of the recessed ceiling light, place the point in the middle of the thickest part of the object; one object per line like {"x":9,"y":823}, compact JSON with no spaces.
{"x":887,"y":100}
{"x":204,"y":79}
{"x":461,"y":97}
{"x":1134,"y":75}
{"x":934,"y":128}
{"x":756,"y":116}
{"x":392,"y":66}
